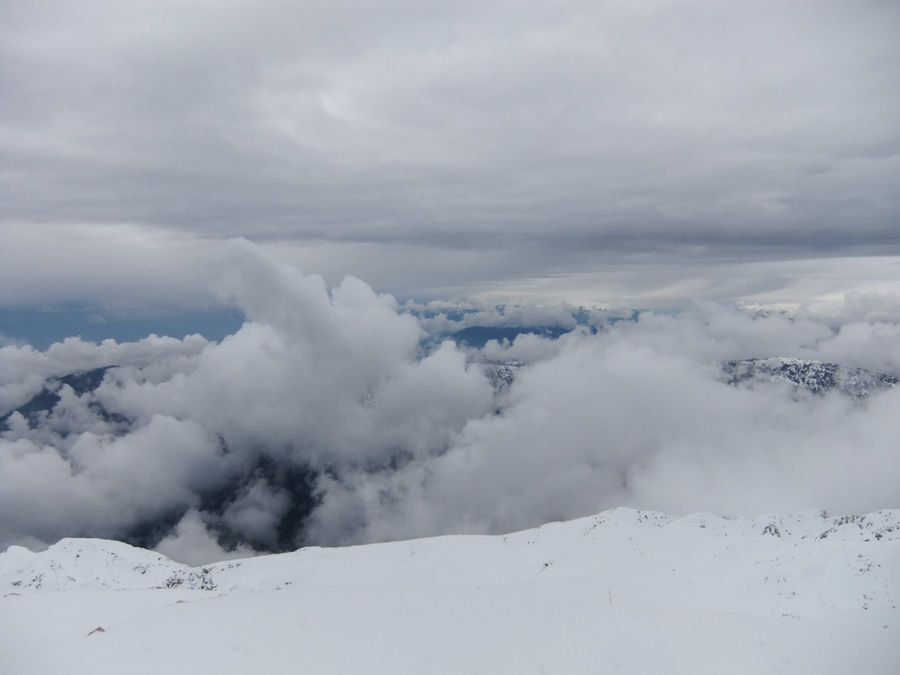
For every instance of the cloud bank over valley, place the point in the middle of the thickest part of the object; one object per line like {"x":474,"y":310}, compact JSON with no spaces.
{"x":336,"y":415}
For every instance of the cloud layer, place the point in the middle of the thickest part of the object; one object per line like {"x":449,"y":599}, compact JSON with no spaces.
{"x":466,"y":148}
{"x":327,"y":419}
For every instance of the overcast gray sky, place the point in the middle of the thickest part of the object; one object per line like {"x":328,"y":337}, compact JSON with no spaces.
{"x":641,"y":153}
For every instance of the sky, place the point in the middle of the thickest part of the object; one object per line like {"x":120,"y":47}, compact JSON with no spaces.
{"x":600,"y":153}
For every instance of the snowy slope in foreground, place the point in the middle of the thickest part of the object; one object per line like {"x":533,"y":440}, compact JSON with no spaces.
{"x":624,"y":591}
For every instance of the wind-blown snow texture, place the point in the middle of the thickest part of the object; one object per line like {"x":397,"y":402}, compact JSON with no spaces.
{"x":623,"y":591}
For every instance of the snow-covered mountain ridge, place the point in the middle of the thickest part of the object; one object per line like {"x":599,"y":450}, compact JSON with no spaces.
{"x":778,"y":545}
{"x":625,"y":590}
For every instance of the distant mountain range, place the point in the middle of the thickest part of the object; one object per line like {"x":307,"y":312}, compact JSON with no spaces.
{"x":41,"y":404}
{"x":817,"y":377}
{"x":478,"y":336}
{"x":814,"y":376}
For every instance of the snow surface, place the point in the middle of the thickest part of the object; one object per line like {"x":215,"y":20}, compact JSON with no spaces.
{"x":625,"y":591}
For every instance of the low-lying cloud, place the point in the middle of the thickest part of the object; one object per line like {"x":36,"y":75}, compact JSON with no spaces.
{"x":329,"y":418}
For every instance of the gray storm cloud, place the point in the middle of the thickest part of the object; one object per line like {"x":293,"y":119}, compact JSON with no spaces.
{"x":327,"y":418}
{"x":462,"y":147}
